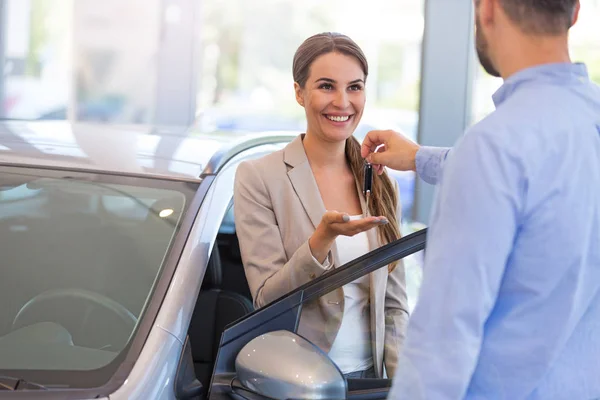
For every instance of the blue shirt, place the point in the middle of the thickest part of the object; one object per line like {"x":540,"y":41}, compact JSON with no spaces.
{"x":509,"y":306}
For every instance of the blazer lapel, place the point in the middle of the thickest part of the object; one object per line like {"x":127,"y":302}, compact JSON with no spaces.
{"x":303,"y":180}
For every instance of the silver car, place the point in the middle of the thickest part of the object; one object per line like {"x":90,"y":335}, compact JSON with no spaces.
{"x":122,"y":279}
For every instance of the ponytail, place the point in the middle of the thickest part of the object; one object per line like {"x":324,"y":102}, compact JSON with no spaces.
{"x":384,"y":197}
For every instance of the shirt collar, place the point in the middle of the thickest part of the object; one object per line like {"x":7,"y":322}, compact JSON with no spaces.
{"x":552,"y":73}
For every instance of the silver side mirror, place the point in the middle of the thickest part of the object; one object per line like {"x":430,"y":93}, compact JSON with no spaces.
{"x":283,"y":365}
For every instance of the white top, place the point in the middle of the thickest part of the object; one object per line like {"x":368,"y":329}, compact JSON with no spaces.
{"x":352,"y":350}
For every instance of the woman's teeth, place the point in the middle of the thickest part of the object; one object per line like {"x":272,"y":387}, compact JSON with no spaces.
{"x":343,"y":118}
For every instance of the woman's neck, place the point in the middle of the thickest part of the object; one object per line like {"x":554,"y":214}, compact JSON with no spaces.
{"x":325,"y":155}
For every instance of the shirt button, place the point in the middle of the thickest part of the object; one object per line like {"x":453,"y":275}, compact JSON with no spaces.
{"x":312,"y":276}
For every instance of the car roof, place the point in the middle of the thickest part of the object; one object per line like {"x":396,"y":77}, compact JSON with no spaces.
{"x":136,"y":150}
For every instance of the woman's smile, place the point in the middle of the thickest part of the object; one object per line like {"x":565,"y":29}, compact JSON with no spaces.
{"x":339,"y":120}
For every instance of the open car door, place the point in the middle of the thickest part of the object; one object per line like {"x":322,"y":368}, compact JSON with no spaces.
{"x":261,"y":356}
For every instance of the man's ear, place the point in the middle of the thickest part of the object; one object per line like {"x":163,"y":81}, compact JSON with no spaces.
{"x":299,"y":94}
{"x":575,"y":16}
{"x":486,"y":10}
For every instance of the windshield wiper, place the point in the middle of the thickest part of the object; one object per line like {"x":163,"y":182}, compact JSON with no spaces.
{"x":10,"y":383}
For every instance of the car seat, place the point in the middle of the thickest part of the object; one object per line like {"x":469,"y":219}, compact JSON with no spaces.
{"x":215,"y":309}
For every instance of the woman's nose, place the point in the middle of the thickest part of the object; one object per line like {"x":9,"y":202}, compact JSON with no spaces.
{"x":341,"y":100}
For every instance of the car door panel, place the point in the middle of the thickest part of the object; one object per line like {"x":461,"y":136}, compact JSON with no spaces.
{"x":284,"y":314}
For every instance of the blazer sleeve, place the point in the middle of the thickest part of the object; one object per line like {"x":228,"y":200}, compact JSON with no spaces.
{"x":269,"y":272}
{"x":396,"y":308}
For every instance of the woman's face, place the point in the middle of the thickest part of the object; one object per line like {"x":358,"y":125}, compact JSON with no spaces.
{"x":333,"y":96}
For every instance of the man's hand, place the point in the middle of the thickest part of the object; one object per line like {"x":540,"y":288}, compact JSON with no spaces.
{"x":390,"y":149}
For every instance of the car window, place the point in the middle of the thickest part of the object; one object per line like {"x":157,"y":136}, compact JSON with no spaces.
{"x":80,"y":257}
{"x":232,"y":267}
{"x":124,"y":207}
{"x":413,"y":266}
{"x":228,"y":223}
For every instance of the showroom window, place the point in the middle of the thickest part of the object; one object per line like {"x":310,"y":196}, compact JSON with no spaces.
{"x":81,"y":60}
{"x":245,"y":79}
{"x":245,"y":82}
{"x":584,"y":47}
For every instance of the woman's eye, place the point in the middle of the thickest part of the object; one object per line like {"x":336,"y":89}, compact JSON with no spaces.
{"x":326,"y":86}
{"x":355,"y":88}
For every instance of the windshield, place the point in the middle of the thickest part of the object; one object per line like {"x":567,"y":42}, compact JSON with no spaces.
{"x":80,"y":255}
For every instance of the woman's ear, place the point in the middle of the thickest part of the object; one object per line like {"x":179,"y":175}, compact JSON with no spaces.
{"x":299,"y":94}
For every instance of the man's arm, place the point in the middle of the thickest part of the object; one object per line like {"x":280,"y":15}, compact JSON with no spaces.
{"x":429,"y":162}
{"x":469,"y":242}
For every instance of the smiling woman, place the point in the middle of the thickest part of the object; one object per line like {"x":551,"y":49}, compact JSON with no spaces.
{"x":332,"y":107}
{"x":299,"y":215}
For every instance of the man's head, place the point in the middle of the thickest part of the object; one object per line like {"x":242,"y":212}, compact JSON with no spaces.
{"x":496,"y":19}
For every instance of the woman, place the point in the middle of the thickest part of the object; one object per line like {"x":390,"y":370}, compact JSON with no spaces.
{"x":287,"y":237}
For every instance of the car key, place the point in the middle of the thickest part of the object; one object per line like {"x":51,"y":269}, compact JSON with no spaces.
{"x":368,"y":173}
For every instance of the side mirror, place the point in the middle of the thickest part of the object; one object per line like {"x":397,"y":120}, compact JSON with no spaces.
{"x":283,"y":365}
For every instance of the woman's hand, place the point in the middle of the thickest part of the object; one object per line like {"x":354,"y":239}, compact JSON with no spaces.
{"x":334,"y":224}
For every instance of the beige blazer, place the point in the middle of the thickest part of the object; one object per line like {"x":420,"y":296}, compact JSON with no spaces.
{"x":277,"y":208}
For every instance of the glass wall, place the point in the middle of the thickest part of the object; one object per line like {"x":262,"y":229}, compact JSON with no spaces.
{"x":37,"y":57}
{"x":245,"y":77}
{"x":585,"y":47}
{"x":245,"y":80}
{"x":117,"y":61}
{"x":84,"y":60}
{"x":585,"y":38}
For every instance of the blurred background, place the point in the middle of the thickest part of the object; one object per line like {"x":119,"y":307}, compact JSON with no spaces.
{"x":225,"y":65}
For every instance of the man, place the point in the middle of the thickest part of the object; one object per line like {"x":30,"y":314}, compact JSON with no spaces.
{"x":509,"y":306}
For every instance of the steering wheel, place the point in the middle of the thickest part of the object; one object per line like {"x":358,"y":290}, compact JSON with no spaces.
{"x":117,"y":309}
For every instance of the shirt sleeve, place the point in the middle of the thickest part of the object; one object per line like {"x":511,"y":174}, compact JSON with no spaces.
{"x":470,"y":239}
{"x":429,"y":162}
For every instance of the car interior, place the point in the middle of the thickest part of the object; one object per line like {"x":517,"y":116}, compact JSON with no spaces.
{"x":225,"y":298}
{"x":79,"y":278}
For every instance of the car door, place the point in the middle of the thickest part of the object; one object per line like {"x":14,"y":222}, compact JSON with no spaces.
{"x":284,"y":315}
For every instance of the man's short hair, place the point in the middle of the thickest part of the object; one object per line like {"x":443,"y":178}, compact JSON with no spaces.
{"x":541,"y":17}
